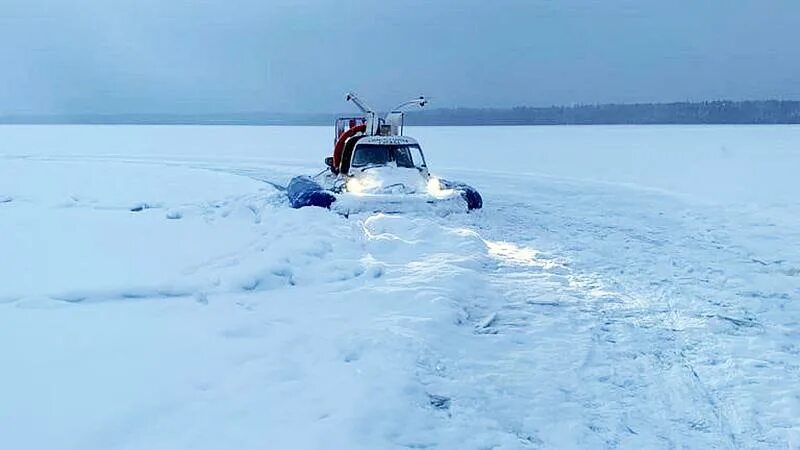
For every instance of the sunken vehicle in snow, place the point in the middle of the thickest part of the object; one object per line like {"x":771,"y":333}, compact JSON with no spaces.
{"x":375,"y":168}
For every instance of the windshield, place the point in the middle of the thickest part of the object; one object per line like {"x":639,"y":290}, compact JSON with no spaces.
{"x":376,"y":154}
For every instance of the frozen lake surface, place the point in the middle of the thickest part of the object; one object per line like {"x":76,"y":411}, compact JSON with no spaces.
{"x":629,"y":286}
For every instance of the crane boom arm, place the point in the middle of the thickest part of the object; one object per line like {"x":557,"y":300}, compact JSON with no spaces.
{"x":360,"y":104}
{"x":421,"y":101}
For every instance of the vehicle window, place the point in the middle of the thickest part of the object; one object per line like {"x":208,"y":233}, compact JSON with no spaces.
{"x":416,"y":155}
{"x":369,"y":154}
{"x":402,"y":156}
{"x":409,"y":156}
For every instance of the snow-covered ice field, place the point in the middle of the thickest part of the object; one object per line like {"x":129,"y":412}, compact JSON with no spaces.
{"x":623,"y":287}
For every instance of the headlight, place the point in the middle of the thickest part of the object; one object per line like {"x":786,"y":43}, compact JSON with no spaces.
{"x":354,"y":186}
{"x":362,"y":184}
{"x":434,"y":186}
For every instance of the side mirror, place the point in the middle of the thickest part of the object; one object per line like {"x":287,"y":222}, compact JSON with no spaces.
{"x":329,"y":163}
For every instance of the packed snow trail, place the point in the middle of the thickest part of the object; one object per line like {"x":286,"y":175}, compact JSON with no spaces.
{"x":623,"y":354}
{"x":567,"y":314}
{"x":684,"y":313}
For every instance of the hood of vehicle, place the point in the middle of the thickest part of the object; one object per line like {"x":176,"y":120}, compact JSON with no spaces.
{"x":387,"y":180}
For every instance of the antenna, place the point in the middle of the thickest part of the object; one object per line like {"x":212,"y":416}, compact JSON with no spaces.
{"x":395,"y":118}
{"x":372,"y":120}
{"x":361,"y":105}
{"x":421,"y":102}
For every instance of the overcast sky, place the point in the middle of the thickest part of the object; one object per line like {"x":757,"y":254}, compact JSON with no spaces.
{"x":159,"y":56}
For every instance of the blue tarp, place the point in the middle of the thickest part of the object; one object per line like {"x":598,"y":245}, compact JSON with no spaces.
{"x":304,"y":191}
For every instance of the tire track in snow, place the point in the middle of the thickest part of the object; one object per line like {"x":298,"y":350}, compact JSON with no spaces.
{"x":687,"y":280}
{"x":608,"y":301}
{"x":528,"y":316}
{"x":627,"y":313}
{"x":273,"y":173}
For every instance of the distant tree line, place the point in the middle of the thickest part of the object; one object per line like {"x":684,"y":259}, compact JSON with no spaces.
{"x":710,"y":112}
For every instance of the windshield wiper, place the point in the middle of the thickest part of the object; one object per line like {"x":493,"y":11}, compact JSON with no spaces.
{"x":372,"y":166}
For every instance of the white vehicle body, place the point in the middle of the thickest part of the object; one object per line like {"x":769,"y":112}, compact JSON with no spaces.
{"x":375,"y":168}
{"x":388,"y":184}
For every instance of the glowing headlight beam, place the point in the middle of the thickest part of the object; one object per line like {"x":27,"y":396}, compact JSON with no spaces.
{"x":434,"y":186}
{"x":362,"y":185}
{"x":355,"y":186}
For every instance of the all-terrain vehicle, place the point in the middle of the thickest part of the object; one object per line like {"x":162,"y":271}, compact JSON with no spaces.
{"x":374,"y":167}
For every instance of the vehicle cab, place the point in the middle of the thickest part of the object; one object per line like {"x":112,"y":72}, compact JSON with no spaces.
{"x":393,"y":151}
{"x":370,"y":153}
